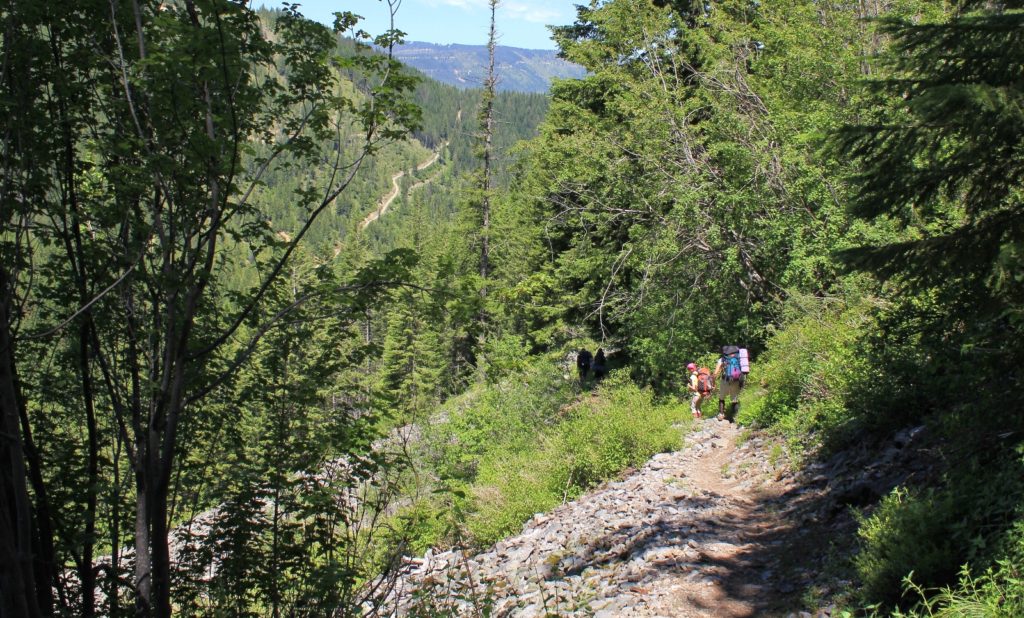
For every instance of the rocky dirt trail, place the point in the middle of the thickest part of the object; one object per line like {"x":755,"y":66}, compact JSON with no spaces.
{"x":719,"y":528}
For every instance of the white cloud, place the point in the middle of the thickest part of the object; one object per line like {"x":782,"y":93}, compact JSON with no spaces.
{"x":537,"y":12}
{"x":460,"y":4}
{"x":524,"y":10}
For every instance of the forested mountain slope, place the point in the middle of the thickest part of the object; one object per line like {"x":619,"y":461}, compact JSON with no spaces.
{"x":446,"y":125}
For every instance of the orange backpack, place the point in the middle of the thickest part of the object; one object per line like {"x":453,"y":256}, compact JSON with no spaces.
{"x":705,"y":381}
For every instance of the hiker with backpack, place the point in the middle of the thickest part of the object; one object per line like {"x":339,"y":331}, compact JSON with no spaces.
{"x":732,"y":368}
{"x":701,"y":383}
{"x":599,"y":365}
{"x":583,"y":360}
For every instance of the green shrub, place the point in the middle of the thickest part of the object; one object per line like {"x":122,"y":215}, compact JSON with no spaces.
{"x":419,"y":526}
{"x":622,"y":429}
{"x":909,"y":532}
{"x":972,"y":521}
{"x":511,"y":488}
{"x":601,"y":436}
{"x":506,"y":355}
{"x":812,"y":369}
{"x":497,"y":417}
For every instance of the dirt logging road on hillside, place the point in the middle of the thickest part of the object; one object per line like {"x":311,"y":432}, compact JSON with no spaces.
{"x":385,"y":201}
{"x":720,"y":528}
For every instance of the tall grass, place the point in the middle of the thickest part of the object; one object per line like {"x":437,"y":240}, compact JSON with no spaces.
{"x":600,"y":436}
{"x":505,"y":451}
{"x":998,"y":592}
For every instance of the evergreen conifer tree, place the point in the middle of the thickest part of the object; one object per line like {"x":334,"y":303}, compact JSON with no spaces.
{"x":943,"y":154}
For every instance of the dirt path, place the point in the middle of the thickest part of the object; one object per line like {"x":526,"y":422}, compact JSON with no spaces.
{"x":385,"y":202}
{"x":715,"y":529}
{"x":735,"y":578}
{"x":382,"y":206}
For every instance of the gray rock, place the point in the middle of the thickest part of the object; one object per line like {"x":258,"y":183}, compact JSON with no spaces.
{"x":520,"y":554}
{"x":585,"y":557}
{"x":530,"y":611}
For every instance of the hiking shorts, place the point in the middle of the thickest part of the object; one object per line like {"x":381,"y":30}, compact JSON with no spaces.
{"x":730,"y":388}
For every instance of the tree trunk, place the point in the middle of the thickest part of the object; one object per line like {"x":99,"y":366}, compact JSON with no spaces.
{"x":113,"y":593}
{"x":17,"y":580}
{"x":86,"y":574}
{"x":488,"y":136}
{"x":45,"y":554}
{"x":143,"y":570}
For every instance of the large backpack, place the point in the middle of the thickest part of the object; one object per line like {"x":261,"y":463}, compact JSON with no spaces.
{"x":732,"y":368}
{"x":733,"y":372}
{"x":705,"y":381}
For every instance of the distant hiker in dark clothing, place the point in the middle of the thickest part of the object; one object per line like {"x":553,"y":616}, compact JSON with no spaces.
{"x":599,"y":364}
{"x":732,"y":367}
{"x":583,"y":361}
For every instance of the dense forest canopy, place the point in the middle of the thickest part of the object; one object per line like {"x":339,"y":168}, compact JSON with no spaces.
{"x":210,"y":368}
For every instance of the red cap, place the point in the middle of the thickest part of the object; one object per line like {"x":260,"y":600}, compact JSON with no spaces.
{"x":691,"y":367}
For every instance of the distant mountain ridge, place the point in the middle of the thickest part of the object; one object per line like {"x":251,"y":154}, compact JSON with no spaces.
{"x":465,"y":66}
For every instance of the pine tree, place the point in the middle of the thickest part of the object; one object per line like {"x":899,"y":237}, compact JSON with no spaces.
{"x":944,"y":154}
{"x":676,"y":184}
{"x":412,"y":358}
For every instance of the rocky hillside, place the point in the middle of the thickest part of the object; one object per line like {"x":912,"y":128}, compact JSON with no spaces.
{"x":723,"y":527}
{"x":465,"y":66}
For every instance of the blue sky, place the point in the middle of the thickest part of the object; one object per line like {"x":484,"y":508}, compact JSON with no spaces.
{"x":521,"y":23}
